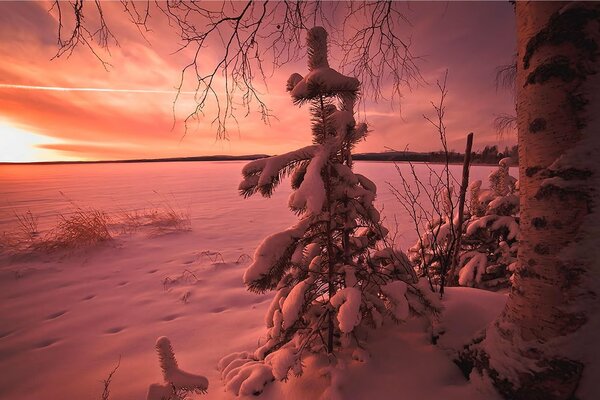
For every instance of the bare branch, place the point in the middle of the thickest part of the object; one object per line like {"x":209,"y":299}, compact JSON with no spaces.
{"x":506,"y":76}
{"x":246,"y":35}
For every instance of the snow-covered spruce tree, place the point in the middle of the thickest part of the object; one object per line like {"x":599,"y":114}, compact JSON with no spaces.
{"x":332,"y":272}
{"x":488,"y":250}
{"x":489,"y":245}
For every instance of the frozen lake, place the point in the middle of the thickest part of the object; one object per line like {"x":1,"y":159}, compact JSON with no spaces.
{"x":91,"y":307}
{"x":221,"y":219}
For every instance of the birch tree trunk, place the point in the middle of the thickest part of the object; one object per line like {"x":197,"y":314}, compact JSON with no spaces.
{"x":543,"y":346}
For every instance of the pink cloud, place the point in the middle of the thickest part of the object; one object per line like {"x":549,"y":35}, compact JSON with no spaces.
{"x":469,"y":40}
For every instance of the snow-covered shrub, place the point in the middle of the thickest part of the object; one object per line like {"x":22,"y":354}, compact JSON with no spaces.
{"x":490,"y":231}
{"x":178,"y":384}
{"x":432,"y":254}
{"x":333,"y":272}
{"x":489,"y":246}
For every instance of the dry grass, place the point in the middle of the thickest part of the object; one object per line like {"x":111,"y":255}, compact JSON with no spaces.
{"x":84,"y":227}
{"x":106,"y":382}
{"x":158,"y":220}
{"x":167,"y":219}
{"x":27,"y":225}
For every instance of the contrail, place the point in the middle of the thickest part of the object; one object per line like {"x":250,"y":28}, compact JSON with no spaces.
{"x":87,"y":89}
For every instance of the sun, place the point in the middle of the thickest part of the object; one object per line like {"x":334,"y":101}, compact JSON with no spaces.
{"x":18,"y":145}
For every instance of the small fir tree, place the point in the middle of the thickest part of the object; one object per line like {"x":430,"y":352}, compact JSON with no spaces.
{"x":333,"y":271}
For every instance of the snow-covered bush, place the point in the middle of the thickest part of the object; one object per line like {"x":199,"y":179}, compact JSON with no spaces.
{"x":178,"y":384}
{"x":432,"y":254}
{"x":333,"y":272}
{"x":490,"y":231}
{"x":490,"y":242}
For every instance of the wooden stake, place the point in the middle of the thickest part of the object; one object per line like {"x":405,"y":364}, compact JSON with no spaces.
{"x":461,"y":208}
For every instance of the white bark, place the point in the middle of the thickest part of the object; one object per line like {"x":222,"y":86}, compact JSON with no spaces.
{"x":543,"y":346}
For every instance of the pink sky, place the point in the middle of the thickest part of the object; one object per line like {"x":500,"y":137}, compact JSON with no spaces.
{"x":132,"y":117}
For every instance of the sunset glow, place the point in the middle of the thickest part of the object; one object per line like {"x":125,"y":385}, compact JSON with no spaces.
{"x":75,"y":109}
{"x":18,"y":145}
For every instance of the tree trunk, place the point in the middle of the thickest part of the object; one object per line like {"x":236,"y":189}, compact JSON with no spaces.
{"x":461,"y":209}
{"x":543,"y":346}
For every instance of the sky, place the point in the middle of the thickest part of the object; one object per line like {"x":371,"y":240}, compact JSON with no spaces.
{"x":72,"y":108}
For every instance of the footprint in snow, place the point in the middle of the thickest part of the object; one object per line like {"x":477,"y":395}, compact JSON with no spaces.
{"x":122,"y":283}
{"x":260,"y":299}
{"x":56,"y":315}
{"x":114,"y":330}
{"x":170,"y":317}
{"x":89,"y":297}
{"x":152,"y":271}
{"x":5,"y":334}
{"x":45,"y":343}
{"x":218,"y":310}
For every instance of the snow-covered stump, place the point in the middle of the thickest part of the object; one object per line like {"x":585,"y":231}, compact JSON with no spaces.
{"x":334,"y":272}
{"x":177,"y":383}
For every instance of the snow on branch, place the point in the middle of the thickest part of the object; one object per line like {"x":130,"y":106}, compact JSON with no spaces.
{"x":272,"y":257}
{"x":265,"y":174}
{"x":347,"y":301}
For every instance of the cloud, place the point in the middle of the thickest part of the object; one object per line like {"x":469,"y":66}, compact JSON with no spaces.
{"x":75,"y":100}
{"x":90,"y":89}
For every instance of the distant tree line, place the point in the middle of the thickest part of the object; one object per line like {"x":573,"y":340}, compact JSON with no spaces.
{"x":489,"y":155}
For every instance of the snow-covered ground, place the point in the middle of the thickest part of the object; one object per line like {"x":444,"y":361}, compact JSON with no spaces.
{"x":66,"y":319}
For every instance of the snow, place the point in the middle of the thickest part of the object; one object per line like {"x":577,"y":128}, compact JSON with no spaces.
{"x":267,"y":169}
{"x":293,"y":303}
{"x":367,"y":183}
{"x":467,"y":311}
{"x":73,"y":314}
{"x":403,"y":361}
{"x":316,"y":41}
{"x":347,"y":301}
{"x":323,"y":79}
{"x":346,"y":174}
{"x":311,"y":193}
{"x":248,"y":379}
{"x":281,"y":362}
{"x":272,"y":249}
{"x":473,"y":269}
{"x":396,"y":293}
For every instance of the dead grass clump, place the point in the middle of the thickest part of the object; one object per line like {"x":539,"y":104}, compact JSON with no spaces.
{"x":83,"y":227}
{"x":23,"y":237}
{"x":129,"y":221}
{"x":159,"y":220}
{"x":167,"y":219}
{"x":27,"y":225}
